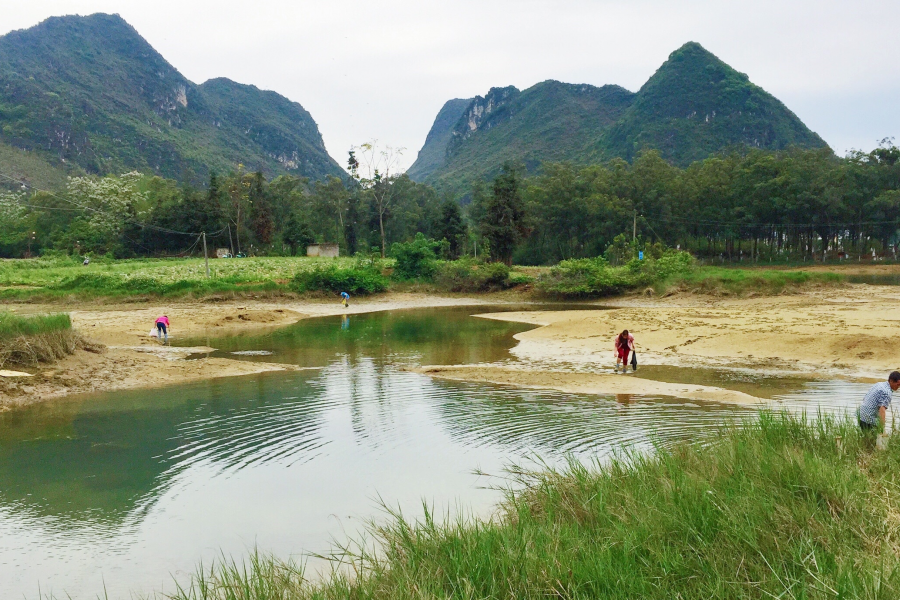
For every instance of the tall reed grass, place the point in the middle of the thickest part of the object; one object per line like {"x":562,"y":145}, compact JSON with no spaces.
{"x":777,"y":507}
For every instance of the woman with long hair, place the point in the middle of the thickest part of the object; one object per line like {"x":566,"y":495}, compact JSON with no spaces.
{"x":624,"y":345}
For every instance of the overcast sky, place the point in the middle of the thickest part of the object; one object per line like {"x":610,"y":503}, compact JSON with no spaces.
{"x":382,"y":69}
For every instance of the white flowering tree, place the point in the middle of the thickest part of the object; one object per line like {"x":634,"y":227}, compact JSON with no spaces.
{"x":13,"y":219}
{"x":111,"y":205}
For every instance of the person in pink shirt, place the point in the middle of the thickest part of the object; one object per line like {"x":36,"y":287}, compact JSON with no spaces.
{"x":162,"y":328}
{"x":624,"y":345}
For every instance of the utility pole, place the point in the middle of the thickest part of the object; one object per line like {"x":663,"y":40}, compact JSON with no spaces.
{"x":205,"y":255}
{"x":634,"y":235}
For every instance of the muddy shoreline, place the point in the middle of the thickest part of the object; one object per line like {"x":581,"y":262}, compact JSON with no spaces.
{"x":845,"y":332}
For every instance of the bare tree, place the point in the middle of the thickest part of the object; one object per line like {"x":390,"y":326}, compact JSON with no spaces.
{"x":378,"y":168}
{"x":239,"y":195}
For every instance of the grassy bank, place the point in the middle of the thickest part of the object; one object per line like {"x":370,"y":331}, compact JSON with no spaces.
{"x":673,"y":271}
{"x":27,"y":341}
{"x":65,"y":279}
{"x":724,"y":281}
{"x":770,"y":508}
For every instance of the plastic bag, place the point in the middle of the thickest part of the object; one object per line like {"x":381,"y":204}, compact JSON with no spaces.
{"x":634,"y":361}
{"x":154,"y":332}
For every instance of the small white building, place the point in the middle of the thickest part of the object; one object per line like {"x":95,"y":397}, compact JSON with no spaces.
{"x":326,"y":250}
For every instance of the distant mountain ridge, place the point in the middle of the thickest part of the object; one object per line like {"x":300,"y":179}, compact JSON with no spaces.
{"x":89,"y":94}
{"x":694,"y":106}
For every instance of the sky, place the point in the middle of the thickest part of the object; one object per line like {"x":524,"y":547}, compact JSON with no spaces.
{"x":382,"y":69}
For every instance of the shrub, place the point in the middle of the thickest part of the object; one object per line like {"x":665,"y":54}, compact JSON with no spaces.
{"x":468,"y":275}
{"x":585,"y":277}
{"x":519,"y":279}
{"x":356,"y":280}
{"x":416,"y":259}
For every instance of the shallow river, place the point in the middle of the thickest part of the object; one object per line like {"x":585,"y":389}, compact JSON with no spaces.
{"x":124,"y":491}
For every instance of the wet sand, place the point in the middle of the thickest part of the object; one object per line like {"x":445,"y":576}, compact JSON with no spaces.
{"x":133,"y":359}
{"x":843,"y":333}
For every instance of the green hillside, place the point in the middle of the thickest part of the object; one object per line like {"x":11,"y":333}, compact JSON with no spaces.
{"x":550,"y":121}
{"x":694,"y":106}
{"x":431,"y":156}
{"x":32,"y":168}
{"x":91,"y":92}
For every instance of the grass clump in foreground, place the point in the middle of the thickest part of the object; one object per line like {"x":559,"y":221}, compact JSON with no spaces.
{"x":29,"y":340}
{"x":775,"y":508}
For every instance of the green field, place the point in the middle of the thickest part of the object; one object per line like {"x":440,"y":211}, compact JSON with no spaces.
{"x":60,"y":278}
{"x":66,"y":279}
{"x":776,"y":507}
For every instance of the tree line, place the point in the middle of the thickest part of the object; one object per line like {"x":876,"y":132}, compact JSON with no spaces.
{"x":743,"y":206}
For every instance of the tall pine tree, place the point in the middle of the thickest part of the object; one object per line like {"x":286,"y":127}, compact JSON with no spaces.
{"x":503,"y":223}
{"x":261,"y":221}
{"x":450,"y":227}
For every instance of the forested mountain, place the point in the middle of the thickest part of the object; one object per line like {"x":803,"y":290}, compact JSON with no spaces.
{"x":431,"y":156}
{"x":89,"y":94}
{"x":694,"y":106}
{"x":550,"y":121}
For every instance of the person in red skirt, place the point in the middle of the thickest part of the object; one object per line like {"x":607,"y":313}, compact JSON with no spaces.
{"x":624,"y":345}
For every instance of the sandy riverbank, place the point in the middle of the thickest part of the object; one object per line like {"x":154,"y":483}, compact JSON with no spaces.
{"x":132,"y":359}
{"x":846,"y":332}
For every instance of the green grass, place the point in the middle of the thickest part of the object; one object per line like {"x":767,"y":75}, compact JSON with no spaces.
{"x":737,"y":281}
{"x":777,"y":507}
{"x":12,"y":326}
{"x":65,"y":278}
{"x":29,"y":340}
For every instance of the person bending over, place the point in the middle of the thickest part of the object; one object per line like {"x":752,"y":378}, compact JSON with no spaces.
{"x":162,"y":328}
{"x":872,"y":411}
{"x":624,"y":345}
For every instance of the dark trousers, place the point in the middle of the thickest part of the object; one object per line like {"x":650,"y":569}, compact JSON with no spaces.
{"x":866,"y":426}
